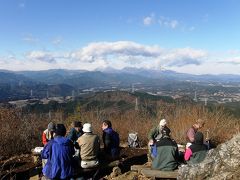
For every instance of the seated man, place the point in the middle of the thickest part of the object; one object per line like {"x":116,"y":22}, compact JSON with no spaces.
{"x":89,"y":147}
{"x":166,"y":153}
{"x":59,"y":154}
{"x":110,"y":140}
{"x":197,"y":152}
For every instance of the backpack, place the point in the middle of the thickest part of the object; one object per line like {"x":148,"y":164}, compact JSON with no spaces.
{"x":133,"y":140}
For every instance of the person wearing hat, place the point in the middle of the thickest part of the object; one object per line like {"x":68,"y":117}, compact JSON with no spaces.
{"x":167,"y":155}
{"x":89,"y":147}
{"x":47,"y":134}
{"x":196,"y":152}
{"x":155,"y":135}
{"x":192,"y":131}
{"x":59,"y":154}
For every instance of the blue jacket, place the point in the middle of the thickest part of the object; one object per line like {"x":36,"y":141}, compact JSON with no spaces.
{"x":111,"y":142}
{"x":59,"y":154}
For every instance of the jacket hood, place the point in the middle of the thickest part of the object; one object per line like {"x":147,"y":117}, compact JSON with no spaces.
{"x":198,"y":138}
{"x":62,"y":140}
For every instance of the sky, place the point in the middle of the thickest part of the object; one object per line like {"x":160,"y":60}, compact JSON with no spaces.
{"x":188,"y":36}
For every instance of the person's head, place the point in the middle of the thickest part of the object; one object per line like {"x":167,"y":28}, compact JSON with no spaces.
{"x":51,"y":127}
{"x":198,"y":138}
{"x":77,"y":125}
{"x":87,"y":128}
{"x":165,"y":132}
{"x":199,"y":123}
{"x":106,"y":124}
{"x":60,"y":130}
{"x":162,"y":123}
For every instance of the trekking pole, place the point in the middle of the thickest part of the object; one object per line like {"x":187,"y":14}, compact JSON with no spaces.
{"x":207,"y":139}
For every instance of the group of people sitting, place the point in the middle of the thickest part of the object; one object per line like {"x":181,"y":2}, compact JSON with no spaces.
{"x":81,"y":148}
{"x":63,"y":155}
{"x":164,"y":152}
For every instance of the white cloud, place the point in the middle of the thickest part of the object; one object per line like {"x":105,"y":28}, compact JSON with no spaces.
{"x":149,"y":20}
{"x":41,"y":56}
{"x":30,"y":38}
{"x":167,"y":22}
{"x":122,"y":54}
{"x":173,"y":24}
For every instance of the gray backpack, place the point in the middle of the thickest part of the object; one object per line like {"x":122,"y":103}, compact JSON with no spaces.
{"x":133,"y":140}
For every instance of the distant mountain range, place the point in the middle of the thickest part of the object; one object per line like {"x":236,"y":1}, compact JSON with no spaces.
{"x":18,"y":84}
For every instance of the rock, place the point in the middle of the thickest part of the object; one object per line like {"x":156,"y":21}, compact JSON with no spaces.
{"x":220,"y":163}
{"x":116,"y":172}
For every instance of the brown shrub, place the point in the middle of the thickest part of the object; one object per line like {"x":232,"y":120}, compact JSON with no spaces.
{"x":20,"y":133}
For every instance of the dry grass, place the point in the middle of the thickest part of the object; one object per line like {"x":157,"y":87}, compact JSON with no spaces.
{"x":20,"y":133}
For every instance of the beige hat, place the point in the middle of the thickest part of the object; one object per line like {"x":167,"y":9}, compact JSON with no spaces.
{"x":200,"y":122}
{"x":163,"y":122}
{"x":87,"y":127}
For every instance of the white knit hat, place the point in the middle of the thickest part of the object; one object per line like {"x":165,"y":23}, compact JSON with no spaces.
{"x":163,"y":122}
{"x":87,"y":127}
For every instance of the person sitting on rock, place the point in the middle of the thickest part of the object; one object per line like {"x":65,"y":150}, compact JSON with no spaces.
{"x":47,"y":134}
{"x":89,"y":147}
{"x":75,"y":133}
{"x":166,"y":153}
{"x":192,"y":131}
{"x":110,"y":140}
{"x":155,"y":135}
{"x":59,"y":154}
{"x":196,"y":153}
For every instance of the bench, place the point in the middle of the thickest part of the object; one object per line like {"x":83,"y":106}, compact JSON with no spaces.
{"x":148,"y":172}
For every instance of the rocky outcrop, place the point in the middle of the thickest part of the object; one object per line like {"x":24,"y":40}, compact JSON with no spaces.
{"x":220,"y":163}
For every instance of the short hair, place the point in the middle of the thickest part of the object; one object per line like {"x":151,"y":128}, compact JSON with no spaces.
{"x":60,"y":130}
{"x":77,"y":124}
{"x":108,"y":123}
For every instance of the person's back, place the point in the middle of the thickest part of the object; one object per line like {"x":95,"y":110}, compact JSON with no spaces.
{"x":59,"y":153}
{"x":167,"y":154}
{"x":89,"y":147}
{"x":197,"y":152}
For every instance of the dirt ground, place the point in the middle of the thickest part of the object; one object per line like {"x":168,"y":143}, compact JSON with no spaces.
{"x":17,"y":165}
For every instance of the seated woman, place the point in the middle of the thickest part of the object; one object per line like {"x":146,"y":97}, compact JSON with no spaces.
{"x":197,"y":152}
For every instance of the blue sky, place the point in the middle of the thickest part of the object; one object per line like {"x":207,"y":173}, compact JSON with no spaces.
{"x":192,"y":36}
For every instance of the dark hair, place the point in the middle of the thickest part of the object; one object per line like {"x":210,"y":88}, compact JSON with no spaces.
{"x":108,"y":123}
{"x":60,"y":130}
{"x":166,"y":131}
{"x":77,"y":124}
